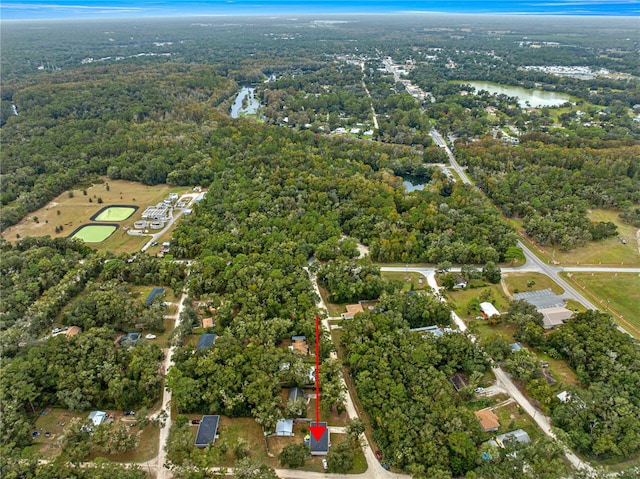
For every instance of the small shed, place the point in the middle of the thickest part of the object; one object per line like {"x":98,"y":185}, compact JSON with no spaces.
{"x":295,"y":393}
{"x":99,"y":417}
{"x":459,"y":380}
{"x":207,"y":430}
{"x":321,"y":446}
{"x":489,"y":310}
{"x":488,"y":420}
{"x":206,"y":341}
{"x":284,"y":427}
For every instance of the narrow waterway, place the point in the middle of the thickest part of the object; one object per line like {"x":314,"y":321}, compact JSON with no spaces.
{"x":246,"y":103}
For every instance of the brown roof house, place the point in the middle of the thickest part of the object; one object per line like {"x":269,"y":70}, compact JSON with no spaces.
{"x":488,"y":420}
{"x":299,"y":345}
{"x":352,"y":310}
{"x":72,"y":331}
{"x":207,"y":323}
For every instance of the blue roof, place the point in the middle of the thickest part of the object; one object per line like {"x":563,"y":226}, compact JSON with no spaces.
{"x":298,"y":338}
{"x":321,"y":446}
{"x":206,"y":340}
{"x":207,"y":430}
{"x":154,"y":292}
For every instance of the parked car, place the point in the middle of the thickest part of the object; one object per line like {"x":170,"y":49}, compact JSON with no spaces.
{"x":479,"y":390}
{"x":150,"y":336}
{"x":324,"y":464}
{"x":163,"y":304}
{"x":195,"y":421}
{"x":378,"y":456}
{"x":385,"y":465}
{"x":129,"y":413}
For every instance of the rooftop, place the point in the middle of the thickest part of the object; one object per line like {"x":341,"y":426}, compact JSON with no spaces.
{"x":489,"y":309}
{"x":206,"y":341}
{"x":488,"y":420}
{"x":207,"y":430}
{"x":554,"y":317}
{"x":352,"y":310}
{"x":321,"y":447}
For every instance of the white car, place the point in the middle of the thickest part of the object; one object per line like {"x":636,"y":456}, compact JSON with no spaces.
{"x":324,"y":464}
{"x":150,"y":336}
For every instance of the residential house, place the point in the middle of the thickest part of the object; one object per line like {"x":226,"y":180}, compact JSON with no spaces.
{"x":207,"y":430}
{"x":488,"y":420}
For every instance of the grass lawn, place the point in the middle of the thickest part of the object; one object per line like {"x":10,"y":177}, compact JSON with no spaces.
{"x":618,"y":293}
{"x":55,"y":420}
{"x":232,"y":429}
{"x":459,"y":299}
{"x":334,"y":309}
{"x":411,"y":281}
{"x":77,"y":210}
{"x":518,"y":282}
{"x":606,"y":251}
{"x":512,"y":417}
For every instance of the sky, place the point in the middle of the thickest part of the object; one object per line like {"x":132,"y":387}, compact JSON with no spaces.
{"x":54,"y":9}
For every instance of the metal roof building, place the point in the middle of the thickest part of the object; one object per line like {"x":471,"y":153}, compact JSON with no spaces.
{"x":207,"y":430}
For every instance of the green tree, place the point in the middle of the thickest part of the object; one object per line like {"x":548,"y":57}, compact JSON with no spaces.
{"x":340,"y":458}
{"x":492,"y":272}
{"x":294,"y":455}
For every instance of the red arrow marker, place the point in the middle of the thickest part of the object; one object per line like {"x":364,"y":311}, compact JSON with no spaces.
{"x":317,"y":431}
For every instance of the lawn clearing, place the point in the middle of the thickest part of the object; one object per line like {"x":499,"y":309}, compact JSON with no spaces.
{"x":617,"y":293}
{"x":410,"y":281}
{"x":512,"y":417}
{"x":73,"y":208}
{"x":459,"y":299}
{"x":607,"y":251}
{"x":519,"y":282}
{"x":233,"y":429}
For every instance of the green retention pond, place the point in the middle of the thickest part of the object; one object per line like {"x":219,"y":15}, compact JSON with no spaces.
{"x":94,"y":233}
{"x":114,"y":213}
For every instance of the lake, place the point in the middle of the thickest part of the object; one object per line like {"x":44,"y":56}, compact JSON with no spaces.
{"x":527,"y":98}
{"x":252,"y":103}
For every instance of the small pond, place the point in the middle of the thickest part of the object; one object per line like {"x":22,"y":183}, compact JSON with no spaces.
{"x":114,"y":213}
{"x":94,"y":233}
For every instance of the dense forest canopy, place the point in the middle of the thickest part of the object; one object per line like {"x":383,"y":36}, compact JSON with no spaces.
{"x":315,"y":177}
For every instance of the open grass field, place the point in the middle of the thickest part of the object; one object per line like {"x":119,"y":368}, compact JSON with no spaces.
{"x":519,"y":282}
{"x":617,"y":293}
{"x":74,"y":208}
{"x":459,"y":299}
{"x":512,"y":417}
{"x":610,"y":251}
{"x":55,"y":420}
{"x":411,"y":281}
